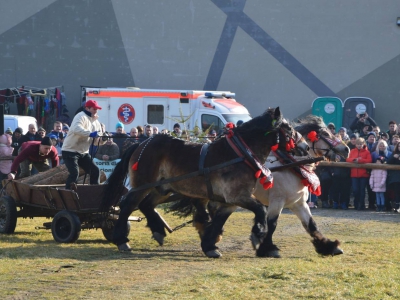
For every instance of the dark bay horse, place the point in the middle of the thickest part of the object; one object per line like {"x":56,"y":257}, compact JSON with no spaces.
{"x":158,"y":159}
{"x":289,"y":191}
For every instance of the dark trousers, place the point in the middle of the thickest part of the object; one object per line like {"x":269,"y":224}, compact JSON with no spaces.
{"x":359,"y":184}
{"x":325,"y":188}
{"x":396,"y":189}
{"x":341,"y":190}
{"x":73,"y":161}
{"x":371,"y":198}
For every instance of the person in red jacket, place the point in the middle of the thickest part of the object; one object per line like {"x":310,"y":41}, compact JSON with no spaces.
{"x":359,"y":177}
{"x":34,"y":153}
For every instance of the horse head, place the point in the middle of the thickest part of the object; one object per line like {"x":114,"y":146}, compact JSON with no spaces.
{"x":321,"y":140}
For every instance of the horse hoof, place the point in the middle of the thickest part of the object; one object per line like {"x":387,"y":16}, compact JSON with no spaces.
{"x":255,"y":241}
{"x":158,"y":237}
{"x":213,"y":254}
{"x":124,"y":247}
{"x":337,"y":251}
{"x":273,"y":253}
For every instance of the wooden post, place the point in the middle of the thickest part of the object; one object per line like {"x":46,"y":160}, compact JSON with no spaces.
{"x":359,"y":166}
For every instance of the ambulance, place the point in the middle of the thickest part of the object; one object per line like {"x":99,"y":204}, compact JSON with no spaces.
{"x":164,"y":108}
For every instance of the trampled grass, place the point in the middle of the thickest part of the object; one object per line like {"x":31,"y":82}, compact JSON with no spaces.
{"x":34,"y":266}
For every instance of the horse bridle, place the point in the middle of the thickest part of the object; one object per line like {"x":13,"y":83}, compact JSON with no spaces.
{"x":293,"y":135}
{"x":331,"y":144}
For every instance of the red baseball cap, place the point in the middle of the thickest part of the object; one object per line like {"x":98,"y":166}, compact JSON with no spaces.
{"x":92,"y":103}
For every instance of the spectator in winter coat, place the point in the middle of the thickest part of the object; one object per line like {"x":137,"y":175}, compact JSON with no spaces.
{"x":108,"y":151}
{"x":5,"y":150}
{"x":341,"y":186}
{"x":40,"y":134}
{"x":382,"y":150}
{"x":30,"y":135}
{"x":392,"y":129}
{"x":343,"y":134}
{"x":120,"y":136}
{"x":352,"y":142}
{"x":377,"y":182}
{"x":370,"y":141}
{"x":325,"y":177}
{"x":359,"y":177}
{"x":361,"y":121}
{"x":393,"y":178}
{"x":394,"y":141}
{"x":16,"y":140}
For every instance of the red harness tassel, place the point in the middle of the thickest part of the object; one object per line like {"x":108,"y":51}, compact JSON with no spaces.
{"x":135,"y":165}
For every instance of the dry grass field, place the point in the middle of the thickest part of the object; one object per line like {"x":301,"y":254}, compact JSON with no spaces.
{"x":34,"y":266}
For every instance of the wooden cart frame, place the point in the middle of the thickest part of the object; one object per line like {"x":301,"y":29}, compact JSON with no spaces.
{"x":71,"y":210}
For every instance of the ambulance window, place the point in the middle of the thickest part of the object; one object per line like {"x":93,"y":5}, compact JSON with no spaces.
{"x":184,"y":100}
{"x":155,"y":114}
{"x":212,"y":122}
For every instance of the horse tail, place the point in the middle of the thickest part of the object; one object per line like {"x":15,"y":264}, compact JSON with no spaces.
{"x":182,"y":208}
{"x":114,"y":185}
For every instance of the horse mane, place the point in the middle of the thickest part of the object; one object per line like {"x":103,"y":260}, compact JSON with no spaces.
{"x":263,"y":123}
{"x":308,"y":124}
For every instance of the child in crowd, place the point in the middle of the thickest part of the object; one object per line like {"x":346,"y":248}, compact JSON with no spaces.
{"x":377,"y":181}
{"x":5,"y":150}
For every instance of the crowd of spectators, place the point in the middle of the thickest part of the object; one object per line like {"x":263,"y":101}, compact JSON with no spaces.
{"x":375,"y":189}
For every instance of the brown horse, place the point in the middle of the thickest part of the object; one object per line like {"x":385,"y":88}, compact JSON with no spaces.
{"x":162,"y":165}
{"x":289,"y":191}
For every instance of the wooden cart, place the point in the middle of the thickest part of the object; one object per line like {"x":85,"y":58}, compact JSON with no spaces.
{"x":71,"y":210}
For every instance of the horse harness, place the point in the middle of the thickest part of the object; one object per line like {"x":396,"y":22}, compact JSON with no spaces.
{"x":240,"y":148}
{"x":331,"y":143}
{"x":242,"y":151}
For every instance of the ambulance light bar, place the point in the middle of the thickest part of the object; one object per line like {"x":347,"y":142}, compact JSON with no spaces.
{"x":219,"y":95}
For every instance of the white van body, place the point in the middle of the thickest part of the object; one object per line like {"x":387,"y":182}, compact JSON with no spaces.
{"x":14,"y":121}
{"x":164,"y":108}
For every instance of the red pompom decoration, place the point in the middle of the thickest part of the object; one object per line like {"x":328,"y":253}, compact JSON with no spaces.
{"x":230,"y":125}
{"x":258,"y":174}
{"x":135,"y":165}
{"x":275,"y":147}
{"x":263,"y":179}
{"x":230,"y":134}
{"x":312,"y":136}
{"x":290,"y":145}
{"x":268,"y":185}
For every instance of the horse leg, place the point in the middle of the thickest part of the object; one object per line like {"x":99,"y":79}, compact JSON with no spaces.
{"x":128,"y":204}
{"x":322,"y":244}
{"x":201,"y":217}
{"x":267,"y":248}
{"x":214,"y":230}
{"x":154,"y":222}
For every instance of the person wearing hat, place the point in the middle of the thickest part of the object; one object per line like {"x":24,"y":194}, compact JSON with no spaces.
{"x":8,"y":131}
{"x":40,"y":134}
{"x":343,"y":134}
{"x":332,"y":128}
{"x":371,"y":141}
{"x":177,"y":132}
{"x":352,"y":142}
{"x":120,"y":136}
{"x":238,"y":123}
{"x":34,"y":153}
{"x":85,"y":130}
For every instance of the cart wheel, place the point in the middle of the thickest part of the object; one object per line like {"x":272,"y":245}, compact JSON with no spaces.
{"x":8,"y":215}
{"x":65,"y":227}
{"x":108,"y":229}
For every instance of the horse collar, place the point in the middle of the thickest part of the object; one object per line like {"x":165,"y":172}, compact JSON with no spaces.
{"x":242,"y":150}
